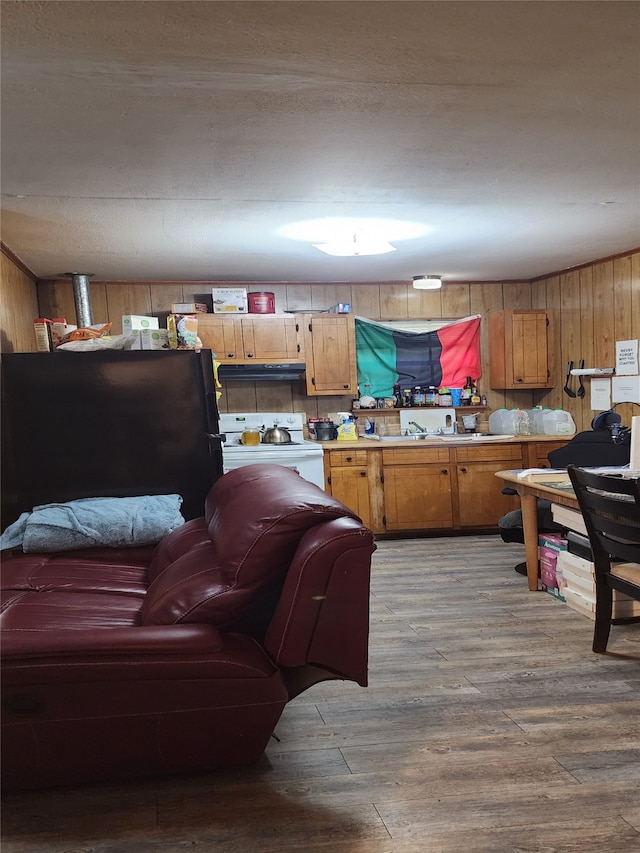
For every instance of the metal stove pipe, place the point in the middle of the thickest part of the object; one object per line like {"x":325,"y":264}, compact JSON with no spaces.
{"x":82,"y":297}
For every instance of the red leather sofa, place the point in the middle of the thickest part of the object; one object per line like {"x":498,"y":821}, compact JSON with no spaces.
{"x":123,"y":663}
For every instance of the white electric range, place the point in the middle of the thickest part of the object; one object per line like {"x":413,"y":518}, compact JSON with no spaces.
{"x":302,"y":455}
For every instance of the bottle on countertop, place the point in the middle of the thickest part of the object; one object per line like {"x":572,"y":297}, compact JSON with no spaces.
{"x":475,"y":397}
{"x":397,"y":395}
{"x":430,"y":397}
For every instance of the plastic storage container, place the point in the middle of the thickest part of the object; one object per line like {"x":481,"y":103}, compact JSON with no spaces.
{"x":558,"y":422}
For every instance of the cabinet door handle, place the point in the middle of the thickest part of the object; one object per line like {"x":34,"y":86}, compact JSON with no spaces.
{"x":519,"y":379}
{"x":349,"y":458}
{"x":249,"y":355}
{"x":444,"y":471}
{"x":363,"y":473}
{"x":329,"y":480}
{"x":346,"y":386}
{"x":464,"y":470}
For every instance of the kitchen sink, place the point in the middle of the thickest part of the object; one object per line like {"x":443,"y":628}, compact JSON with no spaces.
{"x":475,"y":437}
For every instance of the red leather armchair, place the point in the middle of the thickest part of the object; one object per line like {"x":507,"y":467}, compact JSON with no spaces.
{"x":136,"y":662}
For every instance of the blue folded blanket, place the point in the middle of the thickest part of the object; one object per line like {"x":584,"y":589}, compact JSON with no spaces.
{"x":85,"y":523}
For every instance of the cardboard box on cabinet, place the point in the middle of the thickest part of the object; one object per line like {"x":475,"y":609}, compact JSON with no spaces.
{"x":230,"y":300}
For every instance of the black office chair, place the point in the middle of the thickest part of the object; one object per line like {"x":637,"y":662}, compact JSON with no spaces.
{"x":591,"y":448}
{"x":610,"y":507}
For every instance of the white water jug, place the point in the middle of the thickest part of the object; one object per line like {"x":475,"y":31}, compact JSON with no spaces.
{"x":496,"y":425}
{"x":536,"y":416}
{"x":558,"y":422}
{"x":504,"y":422}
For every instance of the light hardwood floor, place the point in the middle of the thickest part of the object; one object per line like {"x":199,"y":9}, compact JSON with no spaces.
{"x":489,"y":726}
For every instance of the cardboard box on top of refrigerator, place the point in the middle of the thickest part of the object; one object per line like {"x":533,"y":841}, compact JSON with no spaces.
{"x":229,"y":300}
{"x":137,"y":322}
{"x":154,"y":339}
{"x":189,"y":308}
{"x":42,"y":329}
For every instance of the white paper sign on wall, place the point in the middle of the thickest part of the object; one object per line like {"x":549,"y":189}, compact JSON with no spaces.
{"x":626,"y":358}
{"x":625,"y":389}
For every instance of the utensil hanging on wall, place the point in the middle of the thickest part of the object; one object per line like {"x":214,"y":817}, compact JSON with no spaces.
{"x":581,"y":385}
{"x":568,"y":391}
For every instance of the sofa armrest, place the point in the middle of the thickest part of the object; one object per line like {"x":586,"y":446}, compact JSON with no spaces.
{"x":113,"y":642}
{"x":322,"y":617}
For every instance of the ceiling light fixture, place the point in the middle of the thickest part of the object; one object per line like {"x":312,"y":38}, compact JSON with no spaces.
{"x":427,"y":282}
{"x":355,"y":246}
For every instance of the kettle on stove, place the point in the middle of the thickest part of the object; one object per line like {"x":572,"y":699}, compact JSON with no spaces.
{"x":276,"y":435}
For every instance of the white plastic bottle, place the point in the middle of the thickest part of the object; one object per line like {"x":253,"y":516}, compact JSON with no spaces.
{"x":497,"y":421}
{"x":537,"y":420}
{"x":558,"y":422}
{"x":511,"y":421}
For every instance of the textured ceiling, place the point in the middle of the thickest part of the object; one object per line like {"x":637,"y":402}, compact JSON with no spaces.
{"x":184,"y":140}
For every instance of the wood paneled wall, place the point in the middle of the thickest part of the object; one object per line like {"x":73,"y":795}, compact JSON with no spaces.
{"x":18,"y":307}
{"x":594,"y":305}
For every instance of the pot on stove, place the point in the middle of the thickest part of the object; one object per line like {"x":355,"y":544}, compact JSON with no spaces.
{"x":276,"y":435}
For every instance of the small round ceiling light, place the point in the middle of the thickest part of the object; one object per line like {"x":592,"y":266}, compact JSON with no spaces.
{"x":427,"y":282}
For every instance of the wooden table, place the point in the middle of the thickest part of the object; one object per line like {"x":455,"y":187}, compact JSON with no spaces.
{"x":529,"y":493}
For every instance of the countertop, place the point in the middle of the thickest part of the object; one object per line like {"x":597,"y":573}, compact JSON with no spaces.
{"x":444,"y":441}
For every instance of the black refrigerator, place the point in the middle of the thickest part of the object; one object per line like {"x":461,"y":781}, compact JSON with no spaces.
{"x":108,"y":424}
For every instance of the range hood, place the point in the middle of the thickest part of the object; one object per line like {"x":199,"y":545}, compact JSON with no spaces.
{"x":258,"y":372}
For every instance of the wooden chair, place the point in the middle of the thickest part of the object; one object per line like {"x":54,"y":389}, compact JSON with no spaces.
{"x":610,"y":507}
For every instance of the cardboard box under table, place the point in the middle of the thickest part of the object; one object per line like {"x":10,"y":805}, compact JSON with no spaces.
{"x":550,"y":545}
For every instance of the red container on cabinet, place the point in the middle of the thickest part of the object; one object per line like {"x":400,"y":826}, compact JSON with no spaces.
{"x":261,"y":302}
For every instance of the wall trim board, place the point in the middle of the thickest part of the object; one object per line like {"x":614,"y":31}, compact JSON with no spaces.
{"x":16,"y":260}
{"x":594,"y":263}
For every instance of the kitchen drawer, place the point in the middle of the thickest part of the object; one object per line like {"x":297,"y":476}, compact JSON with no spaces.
{"x":342,"y":458}
{"x":422,"y":456}
{"x":490,"y":453}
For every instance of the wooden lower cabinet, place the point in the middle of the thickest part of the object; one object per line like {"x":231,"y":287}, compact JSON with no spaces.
{"x":535,"y":452}
{"x":347,"y":476}
{"x":417,"y":489}
{"x":430,"y":488}
{"x":478,"y":492}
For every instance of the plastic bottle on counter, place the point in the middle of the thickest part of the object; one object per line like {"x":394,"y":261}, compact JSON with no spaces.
{"x":537,"y":419}
{"x":430,"y":396}
{"x":558,"y":422}
{"x":503,"y":422}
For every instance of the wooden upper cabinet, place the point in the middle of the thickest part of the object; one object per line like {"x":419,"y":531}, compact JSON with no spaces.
{"x":521,"y":349}
{"x":330,"y":353}
{"x":264,"y":338}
